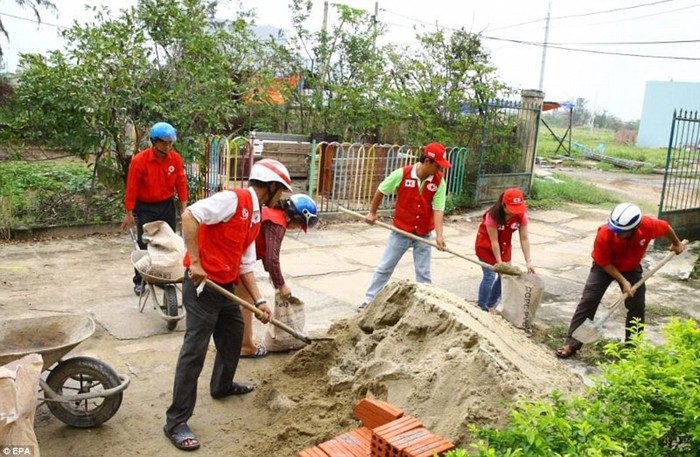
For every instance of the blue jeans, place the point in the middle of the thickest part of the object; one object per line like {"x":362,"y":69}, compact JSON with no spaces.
{"x":489,"y":289}
{"x":396,"y":247}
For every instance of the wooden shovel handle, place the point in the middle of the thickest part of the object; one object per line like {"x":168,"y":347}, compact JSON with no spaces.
{"x":256,"y":311}
{"x":418,"y":238}
{"x":641,"y":281}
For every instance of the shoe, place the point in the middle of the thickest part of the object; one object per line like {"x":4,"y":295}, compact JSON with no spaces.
{"x":138,"y":289}
{"x":234,"y":389}
{"x":260,"y":352}
{"x":179,"y":435}
{"x":362,"y":306}
{"x":566,"y":351}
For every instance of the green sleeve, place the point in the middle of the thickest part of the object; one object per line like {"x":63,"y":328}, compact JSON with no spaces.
{"x":440,"y":196}
{"x":391,"y":182}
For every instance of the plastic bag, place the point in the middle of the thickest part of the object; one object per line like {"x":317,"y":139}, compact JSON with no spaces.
{"x":520,"y":298}
{"x":289,"y":311}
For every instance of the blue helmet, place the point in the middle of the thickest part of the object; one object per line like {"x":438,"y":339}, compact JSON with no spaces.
{"x":302,"y":208}
{"x":163,"y":131}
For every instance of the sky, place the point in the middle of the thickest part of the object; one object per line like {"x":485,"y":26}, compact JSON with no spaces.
{"x":614,"y":83}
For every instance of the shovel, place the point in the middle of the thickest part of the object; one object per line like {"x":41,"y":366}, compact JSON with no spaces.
{"x":258,"y":313}
{"x":590,"y":332}
{"x":502,"y":268}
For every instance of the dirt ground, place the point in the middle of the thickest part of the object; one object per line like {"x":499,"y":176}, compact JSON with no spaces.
{"x":427,"y":350}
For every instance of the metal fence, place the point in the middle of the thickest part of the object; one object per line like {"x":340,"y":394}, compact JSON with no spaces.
{"x":680,"y":196}
{"x":347,"y":174}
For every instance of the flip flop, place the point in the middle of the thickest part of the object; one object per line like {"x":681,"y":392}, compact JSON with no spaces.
{"x":260,"y":352}
{"x":235,"y":389}
{"x":179,"y":434}
{"x":565,"y":351}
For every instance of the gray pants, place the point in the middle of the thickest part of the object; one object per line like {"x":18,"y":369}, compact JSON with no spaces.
{"x":596,"y":285}
{"x":208,"y":314}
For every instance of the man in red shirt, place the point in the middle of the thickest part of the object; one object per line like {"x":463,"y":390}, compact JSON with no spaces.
{"x":219,"y":233}
{"x":618,"y":250}
{"x":154,"y":176}
{"x":420,"y":204}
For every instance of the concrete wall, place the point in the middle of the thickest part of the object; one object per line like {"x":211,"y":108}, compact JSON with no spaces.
{"x":660,"y":99}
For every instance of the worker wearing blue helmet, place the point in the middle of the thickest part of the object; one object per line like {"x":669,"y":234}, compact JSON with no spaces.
{"x":155,"y":175}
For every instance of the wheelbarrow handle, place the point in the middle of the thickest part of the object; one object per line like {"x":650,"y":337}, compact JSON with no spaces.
{"x":256,"y":311}
{"x":418,"y":238}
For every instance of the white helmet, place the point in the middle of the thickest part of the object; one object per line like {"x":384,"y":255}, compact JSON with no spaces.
{"x":625,"y":217}
{"x":269,"y":170}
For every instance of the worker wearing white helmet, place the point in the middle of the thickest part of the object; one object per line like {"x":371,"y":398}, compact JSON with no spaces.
{"x":618,"y":250}
{"x":219,"y":233}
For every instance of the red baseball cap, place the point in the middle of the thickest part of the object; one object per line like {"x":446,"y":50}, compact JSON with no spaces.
{"x":514,"y":201}
{"x":436,"y":151}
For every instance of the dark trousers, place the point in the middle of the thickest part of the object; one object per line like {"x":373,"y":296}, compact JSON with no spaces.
{"x":596,"y":285}
{"x":207,"y":314}
{"x":150,"y":212}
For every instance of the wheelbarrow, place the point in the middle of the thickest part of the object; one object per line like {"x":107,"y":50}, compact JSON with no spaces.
{"x":82,"y":392}
{"x":170,"y":310}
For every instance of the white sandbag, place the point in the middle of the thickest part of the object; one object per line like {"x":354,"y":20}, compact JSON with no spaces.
{"x":520,"y":298}
{"x":19,"y":384}
{"x":166,"y":249}
{"x":291,"y":312}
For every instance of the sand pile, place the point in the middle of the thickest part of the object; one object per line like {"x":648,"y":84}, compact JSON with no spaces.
{"x":422,"y":349}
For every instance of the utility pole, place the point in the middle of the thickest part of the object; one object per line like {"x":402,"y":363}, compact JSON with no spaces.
{"x":546,"y":42}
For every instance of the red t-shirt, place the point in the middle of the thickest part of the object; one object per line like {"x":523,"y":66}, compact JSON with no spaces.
{"x":627,"y":254}
{"x":150,"y":180}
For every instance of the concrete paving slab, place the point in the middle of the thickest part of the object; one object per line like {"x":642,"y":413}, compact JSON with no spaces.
{"x":122,"y":319}
{"x":551,"y":216}
{"x":315,"y":262}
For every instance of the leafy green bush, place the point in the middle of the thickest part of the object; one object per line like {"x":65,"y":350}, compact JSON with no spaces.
{"x":550,"y":193}
{"x":646,"y":403}
{"x":51,"y":193}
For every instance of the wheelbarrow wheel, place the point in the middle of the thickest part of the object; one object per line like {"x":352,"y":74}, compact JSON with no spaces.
{"x":170,"y":300}
{"x":79,"y":375}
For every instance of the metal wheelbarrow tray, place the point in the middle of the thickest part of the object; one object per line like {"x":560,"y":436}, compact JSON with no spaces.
{"x":80,"y":391}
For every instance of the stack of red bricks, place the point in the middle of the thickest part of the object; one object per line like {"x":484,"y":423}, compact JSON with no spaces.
{"x":386,"y":432}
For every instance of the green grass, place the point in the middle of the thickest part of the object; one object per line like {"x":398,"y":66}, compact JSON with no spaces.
{"x":547,"y":194}
{"x":547,"y":145}
{"x":553,"y":337}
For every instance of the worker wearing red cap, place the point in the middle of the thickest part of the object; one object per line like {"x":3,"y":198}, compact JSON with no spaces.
{"x":421,"y":193}
{"x":494,"y":242}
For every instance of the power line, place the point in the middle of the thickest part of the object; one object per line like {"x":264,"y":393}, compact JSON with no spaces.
{"x":592,"y":51}
{"x":34,"y":21}
{"x":634,"y":18}
{"x":593,"y":13}
{"x":625,"y":43}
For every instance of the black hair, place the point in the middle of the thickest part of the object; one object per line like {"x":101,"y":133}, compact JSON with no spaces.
{"x":423,"y":158}
{"x":272,"y":188}
{"x":498,"y":211}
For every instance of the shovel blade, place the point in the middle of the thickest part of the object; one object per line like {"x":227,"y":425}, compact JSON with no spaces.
{"x":587,"y":332}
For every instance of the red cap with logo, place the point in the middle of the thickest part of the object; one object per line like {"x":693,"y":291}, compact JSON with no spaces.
{"x":514,"y":201}
{"x":436,"y":151}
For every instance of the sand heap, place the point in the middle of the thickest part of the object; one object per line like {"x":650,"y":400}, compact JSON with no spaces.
{"x":426,"y":351}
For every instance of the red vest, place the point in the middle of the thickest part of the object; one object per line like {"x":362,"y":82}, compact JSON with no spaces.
{"x":414,"y":210}
{"x":221,"y":246}
{"x":274,"y":216}
{"x":505,"y":234}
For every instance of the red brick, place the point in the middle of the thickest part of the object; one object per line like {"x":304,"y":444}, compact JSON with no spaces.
{"x":374,"y":413}
{"x":428,"y":450}
{"x":312,"y":452}
{"x":334,"y":449}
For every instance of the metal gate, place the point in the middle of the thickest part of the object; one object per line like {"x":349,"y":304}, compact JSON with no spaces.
{"x":680,"y":196}
{"x":508,"y":148}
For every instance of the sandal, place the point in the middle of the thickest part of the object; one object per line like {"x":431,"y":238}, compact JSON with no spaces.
{"x":179,"y":435}
{"x":235,"y":389}
{"x":565,"y":351}
{"x":260,"y":352}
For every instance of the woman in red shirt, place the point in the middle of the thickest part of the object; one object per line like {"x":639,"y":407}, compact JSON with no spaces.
{"x":493,"y":242}
{"x":296,"y":212}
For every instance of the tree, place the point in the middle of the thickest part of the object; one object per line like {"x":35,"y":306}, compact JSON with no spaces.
{"x":34,"y":5}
